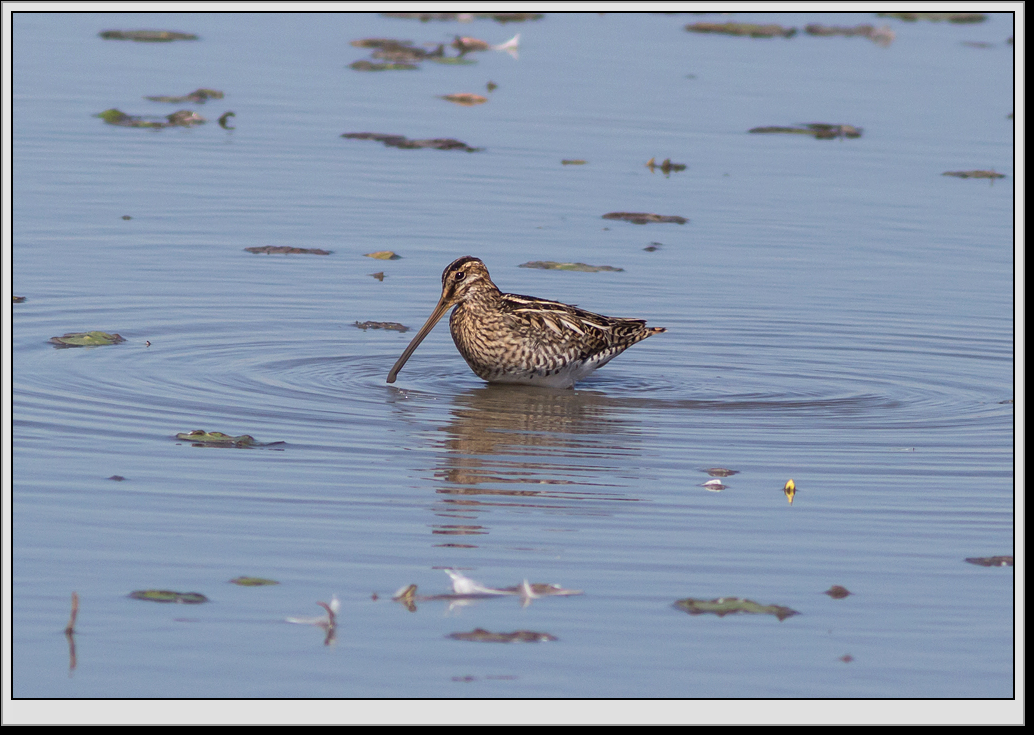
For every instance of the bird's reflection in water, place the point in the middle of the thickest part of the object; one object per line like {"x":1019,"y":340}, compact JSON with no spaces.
{"x":532,"y":448}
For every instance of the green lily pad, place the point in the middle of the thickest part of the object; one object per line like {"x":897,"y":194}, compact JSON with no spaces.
{"x":86,"y":339}
{"x":200,"y":437}
{"x":252,"y":581}
{"x":552,"y":265}
{"x":723,"y":606}
{"x":184,"y":598}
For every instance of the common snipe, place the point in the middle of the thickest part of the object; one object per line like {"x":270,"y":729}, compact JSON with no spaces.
{"x":506,"y":338}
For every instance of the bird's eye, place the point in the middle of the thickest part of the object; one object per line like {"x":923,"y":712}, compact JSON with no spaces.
{"x":459,"y":275}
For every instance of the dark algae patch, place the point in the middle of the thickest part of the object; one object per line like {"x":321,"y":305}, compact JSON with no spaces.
{"x":723,"y":606}
{"x":401,"y":141}
{"x":148,"y":36}
{"x":480,"y":635}
{"x":552,"y":265}
{"x":183,"y":598}
{"x":642,"y":218}
{"x":286,"y":250}
{"x":821,"y":131}
{"x":87,"y":339}
{"x":754,"y":30}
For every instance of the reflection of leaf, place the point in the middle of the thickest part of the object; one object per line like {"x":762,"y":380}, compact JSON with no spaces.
{"x":87,"y":339}
{"x":727,"y":605}
{"x":185,"y":598}
{"x":552,"y":265}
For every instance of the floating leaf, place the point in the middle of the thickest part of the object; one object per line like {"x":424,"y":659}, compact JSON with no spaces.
{"x":936,"y":17}
{"x":837,"y":592}
{"x":883,"y":35}
{"x":820,"y":131}
{"x":148,"y":36}
{"x":453,"y":60}
{"x":284,"y":249}
{"x":789,"y":490}
{"x":721,"y":472}
{"x":401,"y":141}
{"x":754,"y":30}
{"x":991,"y":561}
{"x":223,"y":120}
{"x":383,"y":255}
{"x":185,"y":598}
{"x":467,"y":99}
{"x":714,"y":485}
{"x":481,"y":635}
{"x":379,"y":275}
{"x":18,"y":299}
{"x":552,"y":265}
{"x":573,"y":162}
{"x":202,"y":438}
{"x":641,"y":218}
{"x":180,"y":118}
{"x":87,"y":339}
{"x":975,"y":174}
{"x":666,"y":166}
{"x":364,"y":65}
{"x":253,"y":581}
{"x":198,"y":95}
{"x":393,"y":326}
{"x":728,"y":605}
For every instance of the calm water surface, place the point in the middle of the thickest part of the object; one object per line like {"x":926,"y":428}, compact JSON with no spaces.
{"x":838,"y":313}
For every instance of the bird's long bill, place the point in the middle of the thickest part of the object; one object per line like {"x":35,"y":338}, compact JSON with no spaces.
{"x":438,"y":313}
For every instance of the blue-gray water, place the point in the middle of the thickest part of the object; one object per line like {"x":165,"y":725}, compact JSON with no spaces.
{"x":838,"y":312}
